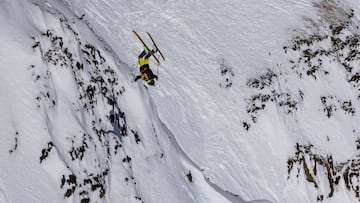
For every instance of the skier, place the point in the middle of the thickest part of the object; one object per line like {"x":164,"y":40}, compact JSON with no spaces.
{"x":146,"y":72}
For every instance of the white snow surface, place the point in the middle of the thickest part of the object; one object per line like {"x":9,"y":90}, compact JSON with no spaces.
{"x":185,"y":139}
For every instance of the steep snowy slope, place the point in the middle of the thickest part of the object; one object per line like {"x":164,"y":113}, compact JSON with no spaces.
{"x":275,"y":97}
{"x":257,"y":100}
{"x":74,"y":126}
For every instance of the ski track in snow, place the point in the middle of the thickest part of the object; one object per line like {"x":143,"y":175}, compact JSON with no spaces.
{"x":3,"y":194}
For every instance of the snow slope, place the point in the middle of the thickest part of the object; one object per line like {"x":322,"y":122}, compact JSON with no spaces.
{"x":257,"y":100}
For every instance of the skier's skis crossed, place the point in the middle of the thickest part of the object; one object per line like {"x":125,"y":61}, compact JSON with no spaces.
{"x":146,"y":47}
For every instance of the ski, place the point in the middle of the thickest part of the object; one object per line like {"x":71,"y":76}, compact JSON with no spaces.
{"x":146,"y":47}
{"x":157,"y":48}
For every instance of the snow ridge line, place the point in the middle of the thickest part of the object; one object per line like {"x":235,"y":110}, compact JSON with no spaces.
{"x":106,"y":45}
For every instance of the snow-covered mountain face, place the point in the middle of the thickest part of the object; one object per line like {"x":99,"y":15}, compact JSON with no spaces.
{"x":257,"y":101}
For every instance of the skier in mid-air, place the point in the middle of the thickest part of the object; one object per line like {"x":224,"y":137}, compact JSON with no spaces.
{"x":146,"y":73}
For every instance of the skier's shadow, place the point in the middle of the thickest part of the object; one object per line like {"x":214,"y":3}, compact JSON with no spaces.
{"x":115,"y":122}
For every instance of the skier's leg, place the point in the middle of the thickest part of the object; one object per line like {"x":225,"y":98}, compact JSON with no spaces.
{"x":144,"y":57}
{"x":143,"y":61}
{"x":143,"y":53}
{"x":147,"y":55}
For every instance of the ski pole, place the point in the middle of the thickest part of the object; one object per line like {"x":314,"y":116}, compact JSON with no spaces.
{"x":134,"y":72}
{"x":157,"y":72}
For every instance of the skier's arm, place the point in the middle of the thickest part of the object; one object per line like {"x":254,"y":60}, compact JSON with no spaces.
{"x":137,"y":77}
